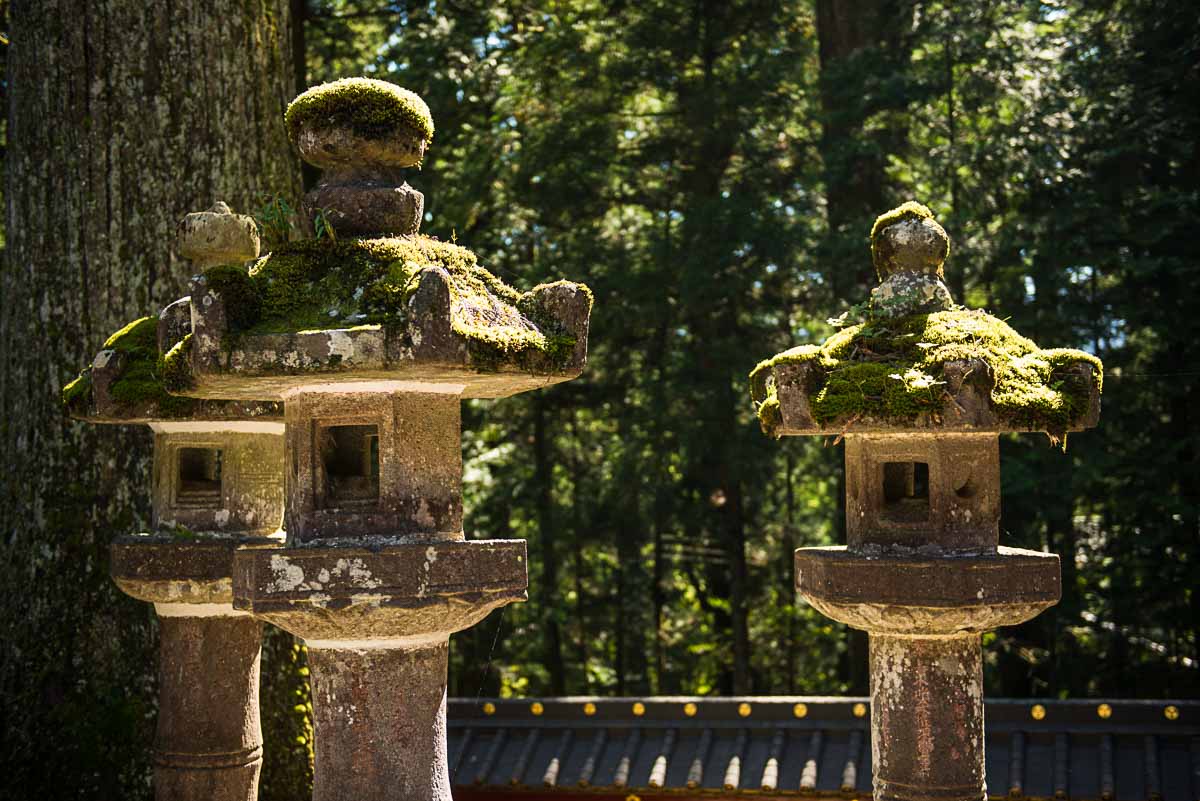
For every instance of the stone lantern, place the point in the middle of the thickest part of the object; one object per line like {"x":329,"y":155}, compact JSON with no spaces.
{"x":920,"y":391}
{"x":217,"y":486}
{"x":371,"y":335}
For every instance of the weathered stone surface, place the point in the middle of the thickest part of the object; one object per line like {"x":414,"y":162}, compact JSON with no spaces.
{"x":927,"y":697}
{"x":209,"y":740}
{"x":218,"y":236}
{"x":363,"y":192}
{"x":101,"y":405}
{"x":174,"y":323}
{"x":965,"y":406}
{"x":957,"y":503}
{"x":403,"y":481}
{"x":904,"y":293}
{"x":347,"y":154}
{"x":928,"y":595}
{"x":245,"y":493}
{"x":366,"y":207}
{"x":404,"y":593}
{"x":208,"y":745}
{"x":922,"y":572}
{"x":912,"y":245}
{"x":167,"y":569}
{"x":571,"y":306}
{"x":380,"y":717}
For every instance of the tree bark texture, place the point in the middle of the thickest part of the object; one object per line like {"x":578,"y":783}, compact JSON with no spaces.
{"x":123,"y":116}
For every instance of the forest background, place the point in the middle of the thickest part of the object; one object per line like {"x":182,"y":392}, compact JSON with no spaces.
{"x":712,"y":169}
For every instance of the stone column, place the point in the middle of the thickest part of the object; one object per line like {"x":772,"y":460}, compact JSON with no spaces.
{"x":377,"y":573}
{"x":208,"y":743}
{"x":923,"y":576}
{"x":930,"y":689}
{"x":216,"y":487}
{"x":395,"y":747}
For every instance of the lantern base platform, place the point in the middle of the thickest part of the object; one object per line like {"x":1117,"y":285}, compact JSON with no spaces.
{"x":928,"y":595}
{"x":165,"y":569}
{"x":392,"y":596}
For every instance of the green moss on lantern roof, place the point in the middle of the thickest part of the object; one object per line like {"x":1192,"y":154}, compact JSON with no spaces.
{"x":76,"y":393}
{"x":175,"y":366}
{"x":321,"y":284}
{"x":139,"y":384}
{"x":371,"y":108}
{"x":892,"y":370}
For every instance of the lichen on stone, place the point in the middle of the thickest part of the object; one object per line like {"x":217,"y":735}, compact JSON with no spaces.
{"x":371,"y":108}
{"x":892,"y":370}
{"x":322,"y":284}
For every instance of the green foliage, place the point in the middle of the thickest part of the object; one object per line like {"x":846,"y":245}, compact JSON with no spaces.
{"x":371,"y":108}
{"x":139,"y":382}
{"x":276,"y":221}
{"x":711,"y":178}
{"x":77,"y":393}
{"x":322,"y":226}
{"x":287,"y":722}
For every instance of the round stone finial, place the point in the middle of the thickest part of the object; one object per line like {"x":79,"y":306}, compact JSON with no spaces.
{"x":361,"y":124}
{"x":908,"y":248}
{"x":218,"y":236}
{"x":908,"y":239}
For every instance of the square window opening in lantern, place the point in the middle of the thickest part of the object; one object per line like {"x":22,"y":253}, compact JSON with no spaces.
{"x":349,"y":459}
{"x":199,"y":481}
{"x":906,"y":492}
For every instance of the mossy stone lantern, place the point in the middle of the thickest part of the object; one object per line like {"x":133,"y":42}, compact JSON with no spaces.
{"x":920,"y":391}
{"x":217,"y":486}
{"x":371,"y":340}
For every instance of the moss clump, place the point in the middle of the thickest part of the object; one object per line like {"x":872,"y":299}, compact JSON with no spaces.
{"x":181,"y":533}
{"x":892,"y":370}
{"x":77,"y":393}
{"x":321,"y":284}
{"x":175,"y":366}
{"x":138,"y":341}
{"x":371,"y":108}
{"x":910,"y":210}
{"x":242,"y":301}
{"x":139,"y":386}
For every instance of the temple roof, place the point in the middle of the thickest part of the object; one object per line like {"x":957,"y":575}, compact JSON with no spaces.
{"x":785,"y":747}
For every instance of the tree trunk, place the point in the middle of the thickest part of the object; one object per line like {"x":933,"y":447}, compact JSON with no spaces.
{"x":861,"y":43}
{"x":123,"y":116}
